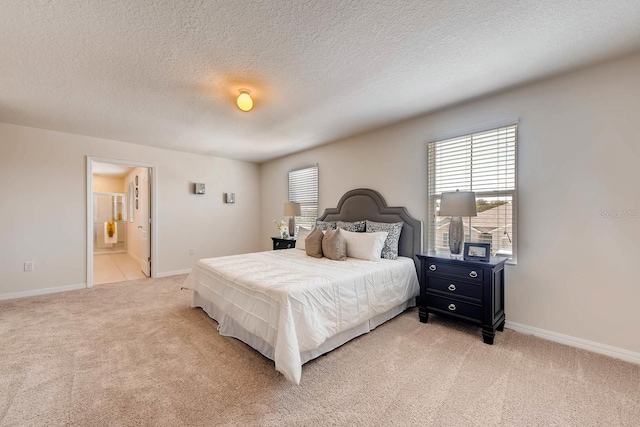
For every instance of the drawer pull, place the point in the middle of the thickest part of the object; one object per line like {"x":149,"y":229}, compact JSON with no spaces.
{"x":277,"y":243}
{"x":473,"y":274}
{"x":432,"y":267}
{"x":288,"y":245}
{"x":452,"y":287}
{"x":452,"y":307}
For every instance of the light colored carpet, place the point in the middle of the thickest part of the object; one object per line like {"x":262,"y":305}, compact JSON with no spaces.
{"x":135,"y":353}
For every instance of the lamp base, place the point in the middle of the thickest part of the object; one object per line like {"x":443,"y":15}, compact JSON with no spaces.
{"x":456,"y":235}
{"x":292,"y":226}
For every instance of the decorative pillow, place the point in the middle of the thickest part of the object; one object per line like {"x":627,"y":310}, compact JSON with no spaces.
{"x":325,"y":225}
{"x":302,"y":235}
{"x":356,"y":226}
{"x":364,"y":245}
{"x":313,"y":243}
{"x":334,"y":246}
{"x":390,"y":249}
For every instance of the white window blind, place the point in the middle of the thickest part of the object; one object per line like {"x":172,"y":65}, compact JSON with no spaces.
{"x":483,"y":162}
{"x":303,"y":188}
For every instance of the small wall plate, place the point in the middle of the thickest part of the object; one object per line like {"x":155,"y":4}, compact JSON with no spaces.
{"x":230,"y":197}
{"x":199,"y":188}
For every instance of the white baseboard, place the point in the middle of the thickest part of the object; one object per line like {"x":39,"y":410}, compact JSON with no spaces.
{"x":135,"y":258}
{"x":110,"y":252}
{"x":35,"y":292}
{"x":173,"y":273}
{"x":618,"y":353}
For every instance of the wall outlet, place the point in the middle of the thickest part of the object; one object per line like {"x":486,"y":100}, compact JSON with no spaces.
{"x":28,"y":266}
{"x":191,"y":251}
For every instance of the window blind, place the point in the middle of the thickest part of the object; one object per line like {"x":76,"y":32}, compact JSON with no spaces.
{"x":303,"y":188}
{"x":483,"y":162}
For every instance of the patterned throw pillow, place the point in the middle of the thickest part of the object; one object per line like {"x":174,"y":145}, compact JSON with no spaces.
{"x":356,"y":226}
{"x":313,"y":243}
{"x":326,"y":225}
{"x":390,"y":249}
{"x":334,"y":245}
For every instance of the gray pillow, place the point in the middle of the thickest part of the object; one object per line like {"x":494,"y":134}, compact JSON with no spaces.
{"x":334,"y":245}
{"x":356,"y":226}
{"x":313,"y":243}
{"x":390,"y":249}
{"x":326,"y":225}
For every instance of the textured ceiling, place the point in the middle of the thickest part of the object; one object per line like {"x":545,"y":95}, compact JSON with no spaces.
{"x":166,"y":72}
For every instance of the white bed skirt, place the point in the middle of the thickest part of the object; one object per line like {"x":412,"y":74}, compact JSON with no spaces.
{"x":230,"y":328}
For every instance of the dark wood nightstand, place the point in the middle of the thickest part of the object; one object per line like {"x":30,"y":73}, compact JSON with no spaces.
{"x":280,"y":243}
{"x":472,"y":291}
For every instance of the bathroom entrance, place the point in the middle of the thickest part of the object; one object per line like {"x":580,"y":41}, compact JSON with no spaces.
{"x":120,"y":203}
{"x":110,"y":219}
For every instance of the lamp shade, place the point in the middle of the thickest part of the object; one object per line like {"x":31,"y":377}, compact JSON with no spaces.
{"x":458,"y":203}
{"x":292,"y":209}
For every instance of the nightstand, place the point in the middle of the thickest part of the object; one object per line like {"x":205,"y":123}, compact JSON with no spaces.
{"x":280,"y":243}
{"x":472,"y":291}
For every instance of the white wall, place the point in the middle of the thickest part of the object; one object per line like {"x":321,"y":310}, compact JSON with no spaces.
{"x":578,"y":155}
{"x":108,"y":184}
{"x":43,"y":215}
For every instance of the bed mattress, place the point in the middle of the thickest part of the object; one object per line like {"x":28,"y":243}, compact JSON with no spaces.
{"x":291,"y":304}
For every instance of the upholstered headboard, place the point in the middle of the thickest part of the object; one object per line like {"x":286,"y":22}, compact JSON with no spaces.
{"x":364,"y":203}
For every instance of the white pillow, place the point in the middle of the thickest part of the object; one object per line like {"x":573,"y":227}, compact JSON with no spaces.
{"x":366,"y":246}
{"x":302,"y":234}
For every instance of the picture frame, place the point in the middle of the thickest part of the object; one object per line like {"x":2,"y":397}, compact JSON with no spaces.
{"x":477,"y":251}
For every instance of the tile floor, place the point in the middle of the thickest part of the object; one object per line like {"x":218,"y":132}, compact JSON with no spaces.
{"x":115,"y":268}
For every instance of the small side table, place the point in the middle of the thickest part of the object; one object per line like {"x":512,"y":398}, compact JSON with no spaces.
{"x":280,"y":243}
{"x":472,"y":291}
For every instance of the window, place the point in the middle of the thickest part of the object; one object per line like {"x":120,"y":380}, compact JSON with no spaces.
{"x":483,"y":162}
{"x":486,"y":238}
{"x":303,"y":188}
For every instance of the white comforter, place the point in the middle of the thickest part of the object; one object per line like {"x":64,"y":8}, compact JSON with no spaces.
{"x":295,"y":302}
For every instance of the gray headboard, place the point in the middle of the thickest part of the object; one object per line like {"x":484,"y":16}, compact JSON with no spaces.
{"x":364,"y":203}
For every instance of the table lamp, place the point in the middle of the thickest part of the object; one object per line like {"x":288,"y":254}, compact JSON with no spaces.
{"x":457,"y":204}
{"x":292,"y":210}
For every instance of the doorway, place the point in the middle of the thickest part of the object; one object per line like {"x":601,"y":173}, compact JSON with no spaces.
{"x":120,"y":212}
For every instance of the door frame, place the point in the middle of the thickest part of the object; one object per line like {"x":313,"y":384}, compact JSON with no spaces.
{"x":153,"y":225}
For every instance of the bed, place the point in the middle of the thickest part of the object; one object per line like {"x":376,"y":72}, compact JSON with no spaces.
{"x":293,"y":308}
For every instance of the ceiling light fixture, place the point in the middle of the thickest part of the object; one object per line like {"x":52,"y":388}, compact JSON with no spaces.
{"x":245,"y":103}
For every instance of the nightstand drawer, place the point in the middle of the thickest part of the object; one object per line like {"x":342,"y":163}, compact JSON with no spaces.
{"x":455,"y":287}
{"x":280,"y":244}
{"x":457,"y":271}
{"x":283,"y":243}
{"x":453,"y":306}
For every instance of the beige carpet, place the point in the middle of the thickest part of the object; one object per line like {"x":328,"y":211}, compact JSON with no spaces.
{"x":135,"y":353}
